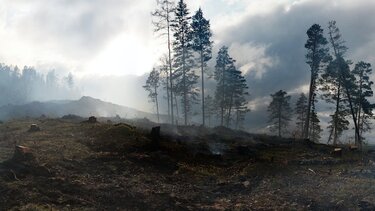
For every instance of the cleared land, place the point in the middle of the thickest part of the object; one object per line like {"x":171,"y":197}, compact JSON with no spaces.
{"x":107,"y":166}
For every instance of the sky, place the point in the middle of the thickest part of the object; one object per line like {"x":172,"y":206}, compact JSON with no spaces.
{"x":103,"y":42}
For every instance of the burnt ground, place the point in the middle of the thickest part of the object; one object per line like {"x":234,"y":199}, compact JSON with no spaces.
{"x":107,"y":166}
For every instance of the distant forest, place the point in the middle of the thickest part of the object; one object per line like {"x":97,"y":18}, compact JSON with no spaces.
{"x":21,"y":86}
{"x":334,"y":79}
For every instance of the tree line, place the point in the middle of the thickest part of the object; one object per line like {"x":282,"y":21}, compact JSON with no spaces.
{"x":189,"y":46}
{"x":19,"y":86}
{"x":335,"y":80}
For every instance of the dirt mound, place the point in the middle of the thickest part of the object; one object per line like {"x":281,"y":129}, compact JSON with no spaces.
{"x":114,"y":138}
{"x":121,"y":130}
{"x":22,"y":163}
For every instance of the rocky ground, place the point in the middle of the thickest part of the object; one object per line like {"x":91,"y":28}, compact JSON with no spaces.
{"x":79,"y":165}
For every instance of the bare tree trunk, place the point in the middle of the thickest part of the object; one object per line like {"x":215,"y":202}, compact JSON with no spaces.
{"x":157,"y":104}
{"x":311,"y":93}
{"x":185,"y":88}
{"x":279,"y":119}
{"x":336,"y":114}
{"x":359,"y":141}
{"x":223,"y":98}
{"x":229,"y":109}
{"x":203,"y":112}
{"x":170,"y":64}
{"x":178,"y":114}
{"x":168,"y":102}
{"x":359,"y":108}
{"x":306,"y":130}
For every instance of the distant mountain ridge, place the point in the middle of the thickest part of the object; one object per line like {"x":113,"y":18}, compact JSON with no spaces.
{"x":86,"y":106}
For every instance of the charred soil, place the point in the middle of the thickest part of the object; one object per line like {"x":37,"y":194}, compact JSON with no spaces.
{"x":105,"y":166}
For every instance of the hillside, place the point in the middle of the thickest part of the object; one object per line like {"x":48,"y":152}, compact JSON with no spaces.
{"x":104,"y":166}
{"x":85,"y":106}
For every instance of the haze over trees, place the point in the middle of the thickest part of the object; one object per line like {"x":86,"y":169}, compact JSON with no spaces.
{"x":163,"y":15}
{"x":20,"y":86}
{"x":333,"y":79}
{"x":189,"y":50}
{"x":152,"y":85}
{"x":184,"y":73}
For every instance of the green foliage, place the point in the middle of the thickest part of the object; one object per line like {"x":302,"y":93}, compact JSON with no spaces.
{"x":317,"y":52}
{"x":316,"y":58}
{"x":184,"y":74}
{"x":363,"y":107}
{"x":231,"y":89}
{"x":315,"y":129}
{"x":338,"y":44}
{"x":151,"y":86}
{"x":279,"y":111}
{"x":201,"y":36}
{"x":338,"y":84}
{"x":202,"y":44}
{"x":301,"y":112}
{"x":210,"y":109}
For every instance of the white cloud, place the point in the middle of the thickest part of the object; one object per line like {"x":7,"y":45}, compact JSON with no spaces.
{"x":71,"y":33}
{"x":252,"y":58}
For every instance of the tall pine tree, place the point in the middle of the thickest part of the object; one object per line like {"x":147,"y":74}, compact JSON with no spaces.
{"x":202,"y":44}
{"x":301,"y":112}
{"x":362,"y":72}
{"x":210,"y":109}
{"x":231,"y":90}
{"x":152,"y":85}
{"x":164,"y":80}
{"x":317,"y":54}
{"x":315,"y":129}
{"x":162,"y":22}
{"x":237,"y":104}
{"x":333,"y":93}
{"x":345,"y":77}
{"x":279,"y":111}
{"x":184,"y":74}
{"x":222,"y":73}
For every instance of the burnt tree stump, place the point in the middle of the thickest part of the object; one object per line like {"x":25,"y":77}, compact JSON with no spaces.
{"x":22,"y":153}
{"x":337,"y":152}
{"x":92,"y":119}
{"x":34,"y":128}
{"x":353,"y":148}
{"x":155,"y":135}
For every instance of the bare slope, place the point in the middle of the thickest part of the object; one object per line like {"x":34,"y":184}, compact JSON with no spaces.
{"x":86,"y":106}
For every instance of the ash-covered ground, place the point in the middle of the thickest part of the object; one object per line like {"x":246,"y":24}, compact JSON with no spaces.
{"x":78,"y":165}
